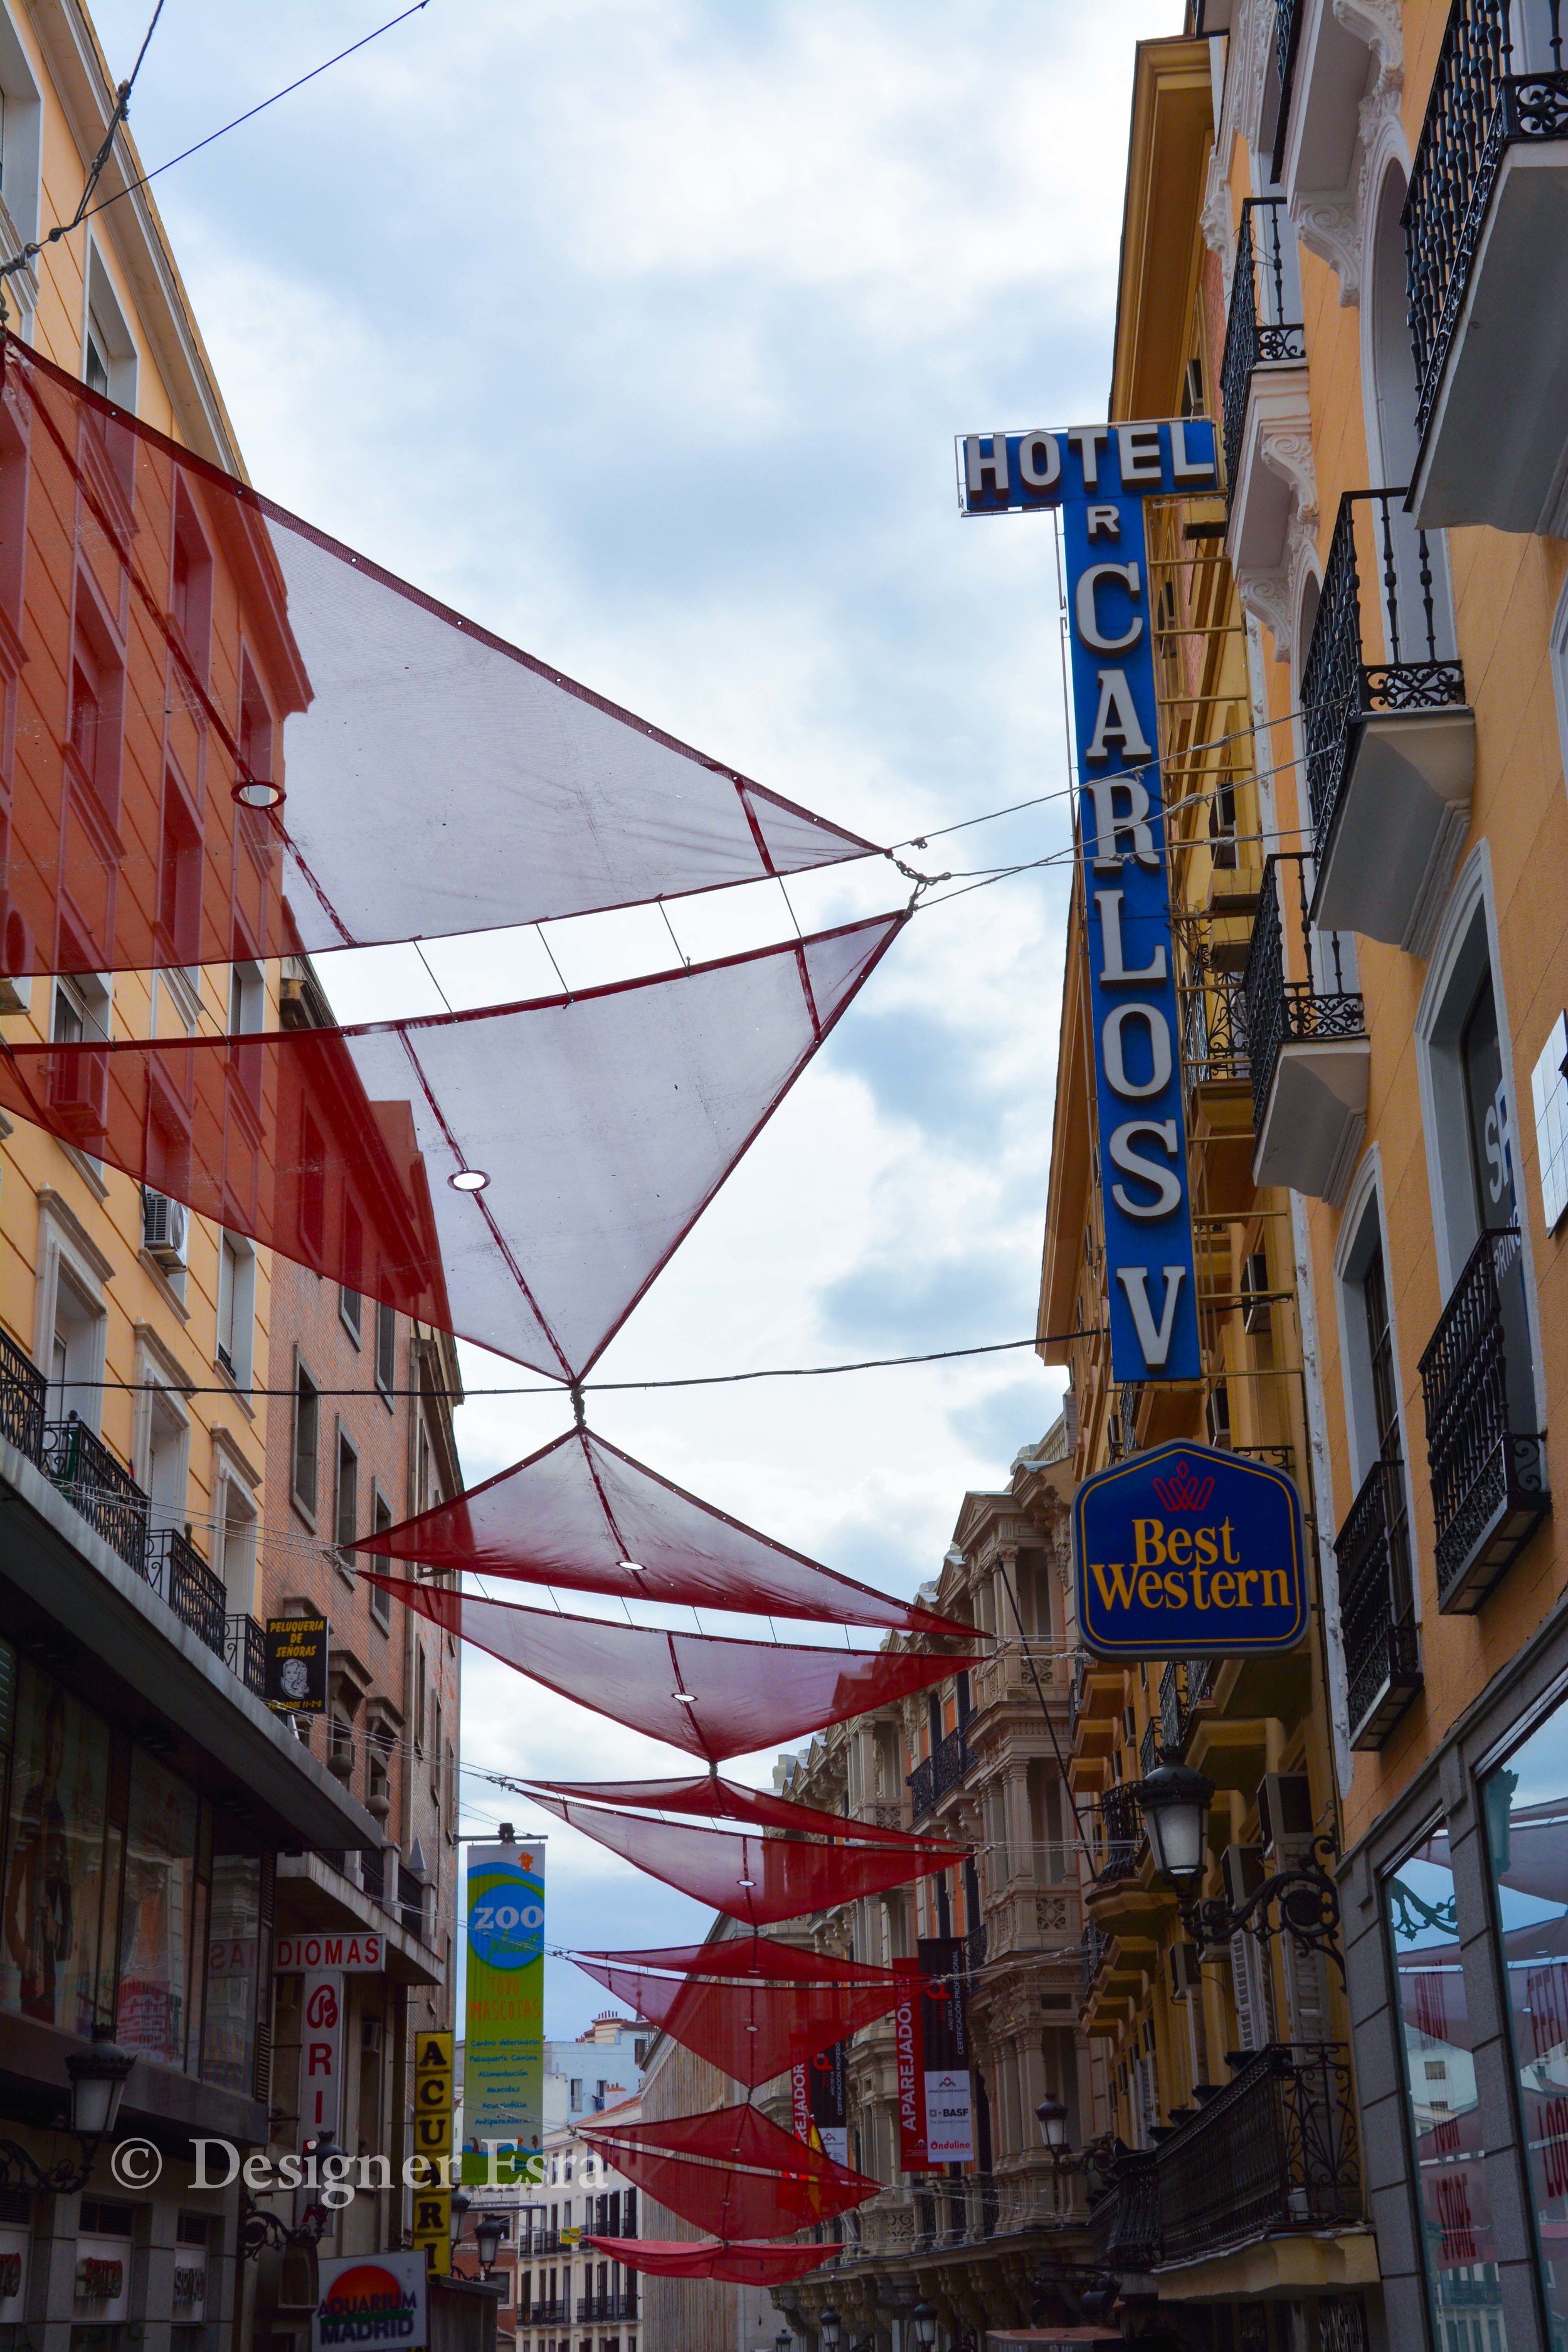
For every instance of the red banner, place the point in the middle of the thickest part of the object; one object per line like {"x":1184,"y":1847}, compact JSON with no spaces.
{"x":909,"y":2043}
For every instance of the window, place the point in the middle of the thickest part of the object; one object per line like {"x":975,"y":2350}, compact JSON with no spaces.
{"x":235,"y":1547}
{"x":246,"y":998}
{"x":1442,"y":2108}
{"x":312,"y":1184}
{"x":97,"y":697}
{"x":386,"y":1348}
{"x":76,"y":1355}
{"x":20,"y":118}
{"x":307,"y":1442}
{"x":109,"y":354}
{"x":436,"y":1749}
{"x":191,"y":583}
{"x":351,"y":1305}
{"x":236,"y":1305}
{"x":380,"y":1520}
{"x":345,"y":1507}
{"x":165,"y":1454}
{"x":419,"y":1690}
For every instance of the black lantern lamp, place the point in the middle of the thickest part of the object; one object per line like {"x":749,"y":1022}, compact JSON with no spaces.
{"x":1175,"y":1802}
{"x":830,"y":2327}
{"x":1052,"y":2118}
{"x":488,"y":2232}
{"x":97,"y":2084}
{"x":783,"y":2340}
{"x":925,"y":2324}
{"x":461,"y":2202}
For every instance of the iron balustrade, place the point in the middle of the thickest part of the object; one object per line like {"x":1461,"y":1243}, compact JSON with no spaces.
{"x":1486,"y":95}
{"x":1119,"y":1826}
{"x":974,"y":1945}
{"x":1488,"y":1467}
{"x":178,"y":1574}
{"x":1286,"y":37}
{"x":244,"y":1653}
{"x":1282,"y":1012}
{"x":1273,"y":2151}
{"x":1200,"y":1684}
{"x":601,"y":2308}
{"x":99,"y":1486}
{"x":1150,"y":1749}
{"x":1125,"y":2223}
{"x":1214,"y":1024}
{"x":944,"y":1770}
{"x":539,"y":2242}
{"x":1172,"y":1711}
{"x":1095,"y":1945}
{"x":1377,"y":1611}
{"x":552,"y":2311}
{"x":1341,"y":689}
{"x":1257,"y":333}
{"x":23,"y":1392}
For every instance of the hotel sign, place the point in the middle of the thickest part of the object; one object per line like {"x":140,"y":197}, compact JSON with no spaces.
{"x":1099,"y":475}
{"x":1186,"y":1553}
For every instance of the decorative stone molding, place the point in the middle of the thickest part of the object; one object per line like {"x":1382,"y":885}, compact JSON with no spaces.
{"x":1377,"y":22}
{"x":1288,"y":455}
{"x":1330,"y":227}
{"x":1266,"y":597}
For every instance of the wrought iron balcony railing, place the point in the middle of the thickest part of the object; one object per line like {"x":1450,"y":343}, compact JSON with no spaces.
{"x":552,"y":2311}
{"x":179,"y":1575}
{"x":1173,"y":1712}
{"x":1282,"y":1012}
{"x":974,"y":1945}
{"x":1287,"y":38}
{"x":1341,"y":689}
{"x":1378,"y":1611}
{"x":1274,"y":2151}
{"x":1200,"y":1682}
{"x":1489,"y":1490}
{"x":1214,"y":1024}
{"x":1095,"y":1944}
{"x":1125,"y":2224}
{"x":945,"y":1768}
{"x":22,"y":1390}
{"x":600,"y":2308}
{"x":1489,"y":93}
{"x":244,"y":1653}
{"x":99,"y":1486}
{"x":1119,"y":1833}
{"x":1150,"y":1749}
{"x":1257,"y":331}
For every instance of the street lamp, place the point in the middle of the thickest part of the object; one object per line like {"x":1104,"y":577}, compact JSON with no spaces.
{"x":1052,"y":2118}
{"x":830,"y":2327}
{"x":97,"y":2084}
{"x":783,"y":2340}
{"x":488,"y":2232}
{"x":462,"y":2201}
{"x":925,"y":2322}
{"x":1175,"y":1801}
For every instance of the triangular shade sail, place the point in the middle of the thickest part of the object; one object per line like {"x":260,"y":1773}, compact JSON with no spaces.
{"x":215,"y":704}
{"x":711,"y":1696}
{"x":752,"y":2008}
{"x":603,"y":1125}
{"x":715,"y":2258}
{"x":714,"y":1798}
{"x":754,"y":1878}
{"x":583,"y":1515}
{"x":732,"y":2172}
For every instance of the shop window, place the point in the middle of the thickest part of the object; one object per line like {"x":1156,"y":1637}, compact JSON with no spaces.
{"x":1443,"y":2110}
{"x":158,"y":1915}
{"x":56,"y":1868}
{"x":1527,"y":1835}
{"x":229,"y":2032}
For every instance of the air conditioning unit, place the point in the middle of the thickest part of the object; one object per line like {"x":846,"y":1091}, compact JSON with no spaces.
{"x":165,"y":1228}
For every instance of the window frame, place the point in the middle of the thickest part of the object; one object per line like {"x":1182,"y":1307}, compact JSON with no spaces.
{"x":306,"y":1389}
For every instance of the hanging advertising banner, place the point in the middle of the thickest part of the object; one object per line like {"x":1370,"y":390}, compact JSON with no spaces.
{"x":910,"y":2056}
{"x":321,"y":2053}
{"x":1189,"y":1552}
{"x":370,"y":2299}
{"x":1099,"y":476}
{"x":947,"y":2089}
{"x":431,"y":2228}
{"x":503,"y":2059}
{"x":820,"y":2099}
{"x":294,"y":1665}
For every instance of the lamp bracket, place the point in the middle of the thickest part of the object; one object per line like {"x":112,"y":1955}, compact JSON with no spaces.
{"x":20,"y":2169}
{"x":1301,"y":1901}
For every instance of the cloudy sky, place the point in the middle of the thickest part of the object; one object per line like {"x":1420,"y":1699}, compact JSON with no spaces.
{"x":639,"y":329}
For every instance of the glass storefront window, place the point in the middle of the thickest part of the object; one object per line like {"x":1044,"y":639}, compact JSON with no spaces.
{"x":234,"y":1944}
{"x":157,"y":1914}
{"x":55,"y":1868}
{"x":1454,"y":2211}
{"x":1525,"y":1803}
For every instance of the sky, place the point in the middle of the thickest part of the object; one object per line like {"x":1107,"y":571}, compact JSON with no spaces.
{"x":640,"y":331}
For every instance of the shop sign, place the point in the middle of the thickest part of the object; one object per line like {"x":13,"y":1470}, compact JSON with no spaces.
{"x":819,"y":2102}
{"x":503,"y":2056}
{"x":909,"y":2058}
{"x":321,"y":2051}
{"x":944,"y":2039}
{"x":432,"y":2226}
{"x":295,"y":1659}
{"x":357,"y":1955}
{"x":1099,"y":476}
{"x":15,"y":2244}
{"x":370,"y":2299}
{"x":1188,"y":1553}
{"x":102,"y":2282}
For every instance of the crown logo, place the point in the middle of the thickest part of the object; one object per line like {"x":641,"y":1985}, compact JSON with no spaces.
{"x":1184,"y":1492}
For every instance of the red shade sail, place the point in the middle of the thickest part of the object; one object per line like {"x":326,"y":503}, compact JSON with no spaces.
{"x":699,"y":1691}
{"x":603,"y":1125}
{"x":583,"y":1515}
{"x":216,"y":704}
{"x":732,"y":1801}
{"x":757,"y":1879}
{"x":715,"y":2258}
{"x":732,"y":2172}
{"x":754,"y":2008}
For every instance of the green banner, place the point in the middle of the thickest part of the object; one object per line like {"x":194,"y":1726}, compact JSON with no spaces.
{"x":503,"y":2054}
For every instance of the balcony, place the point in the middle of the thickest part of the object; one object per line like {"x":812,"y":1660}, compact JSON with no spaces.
{"x":1309,"y":1051}
{"x":99,"y":1486}
{"x":1486,"y":269}
{"x":1390,"y":745}
{"x":1263,"y":384}
{"x":1273,"y":2152}
{"x":599,"y":2309}
{"x":1118,"y":1834}
{"x":552,"y":2311}
{"x":244,"y":1653}
{"x":1377,"y":1611}
{"x":22,"y":1390}
{"x":1095,"y":1945}
{"x":1488,"y":1462}
{"x":1125,"y":2224}
{"x":178,"y":1574}
{"x":944,"y":1770}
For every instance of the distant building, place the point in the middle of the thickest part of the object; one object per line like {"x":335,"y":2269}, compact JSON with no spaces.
{"x":555,"y":2297}
{"x":597,"y":2070}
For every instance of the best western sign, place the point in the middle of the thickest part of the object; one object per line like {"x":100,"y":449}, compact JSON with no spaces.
{"x":1099,"y":475}
{"x":1185,"y":1552}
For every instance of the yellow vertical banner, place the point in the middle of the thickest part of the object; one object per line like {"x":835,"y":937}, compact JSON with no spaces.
{"x":433,"y":2144}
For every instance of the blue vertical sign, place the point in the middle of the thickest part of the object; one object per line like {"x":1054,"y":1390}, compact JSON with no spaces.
{"x":1099,"y":476}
